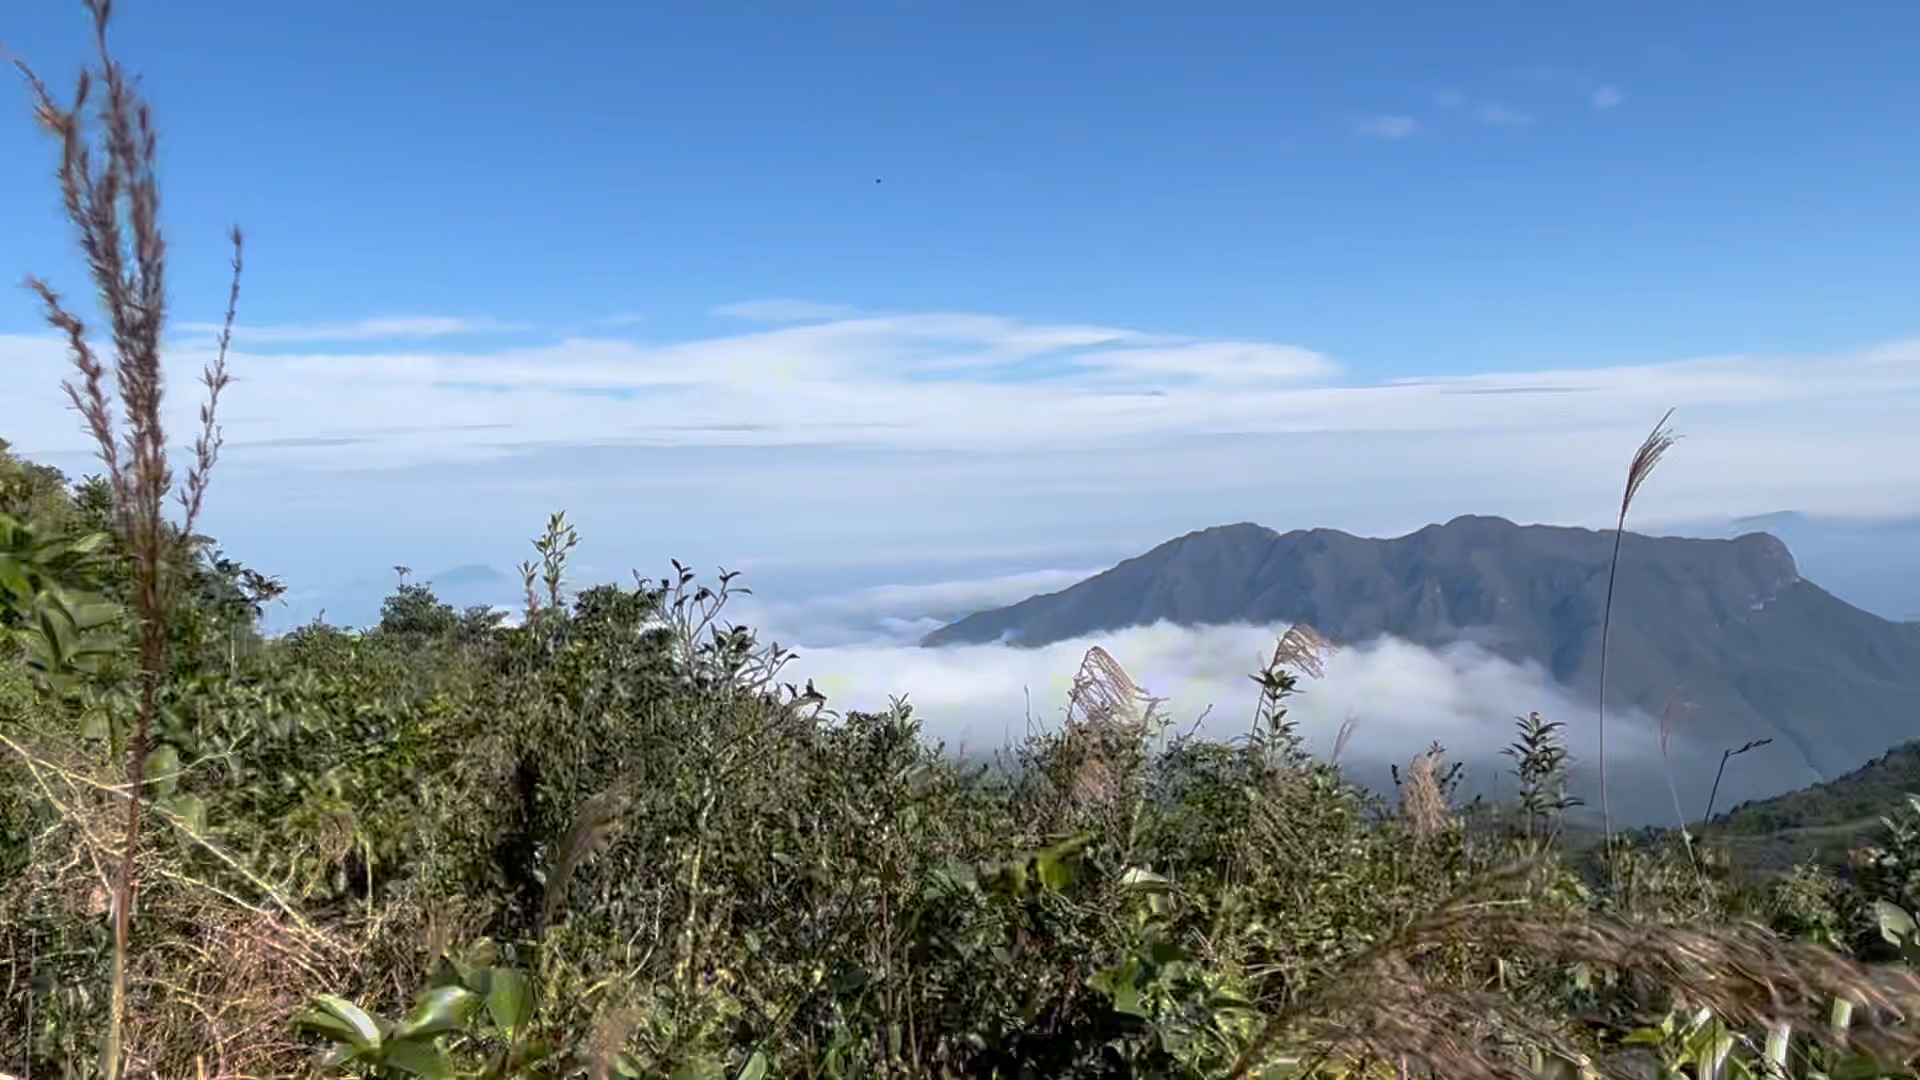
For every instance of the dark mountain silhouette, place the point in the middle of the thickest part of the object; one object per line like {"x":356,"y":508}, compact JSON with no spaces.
{"x":1727,"y":624}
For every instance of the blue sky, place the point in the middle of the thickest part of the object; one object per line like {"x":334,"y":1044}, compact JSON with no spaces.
{"x":1190,"y":168}
{"x":1128,"y":269}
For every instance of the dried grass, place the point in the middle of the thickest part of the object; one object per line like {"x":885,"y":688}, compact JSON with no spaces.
{"x":1652,"y":449}
{"x":1423,"y":805}
{"x":1386,"y":1010}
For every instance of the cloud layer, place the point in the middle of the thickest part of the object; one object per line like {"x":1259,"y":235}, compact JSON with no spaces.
{"x":1401,"y":698}
{"x":936,"y":437}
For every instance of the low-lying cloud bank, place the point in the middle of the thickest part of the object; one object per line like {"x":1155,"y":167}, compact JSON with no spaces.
{"x":1401,"y":698}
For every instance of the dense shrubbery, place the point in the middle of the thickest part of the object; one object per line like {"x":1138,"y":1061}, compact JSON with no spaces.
{"x":609,"y":840}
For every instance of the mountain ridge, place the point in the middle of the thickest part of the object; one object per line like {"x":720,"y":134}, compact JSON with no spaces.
{"x":1727,"y":624}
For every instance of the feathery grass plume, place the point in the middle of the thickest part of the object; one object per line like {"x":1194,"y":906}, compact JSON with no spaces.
{"x":1343,"y":736}
{"x":1300,"y":649}
{"x":111,"y":196}
{"x":1423,"y":805}
{"x":1655,"y":446}
{"x":592,"y":830}
{"x":1102,"y":693}
{"x":1382,"y":1008}
{"x":1107,"y":713}
{"x":1303,"y":649}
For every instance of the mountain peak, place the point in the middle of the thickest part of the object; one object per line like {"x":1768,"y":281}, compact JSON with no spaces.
{"x":1729,"y":621}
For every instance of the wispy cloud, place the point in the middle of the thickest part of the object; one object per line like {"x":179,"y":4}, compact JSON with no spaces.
{"x":946,"y":414}
{"x":1389,"y":127}
{"x":1600,"y":94}
{"x":899,"y":614}
{"x":785,"y":311}
{"x":1487,"y":112}
{"x":1500,"y":114}
{"x":386,"y":328}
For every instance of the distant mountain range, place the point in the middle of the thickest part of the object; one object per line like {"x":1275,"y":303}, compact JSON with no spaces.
{"x":357,"y":602}
{"x":1727,"y":623}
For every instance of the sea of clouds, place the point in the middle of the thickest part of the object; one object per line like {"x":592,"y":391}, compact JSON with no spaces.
{"x":861,"y":649}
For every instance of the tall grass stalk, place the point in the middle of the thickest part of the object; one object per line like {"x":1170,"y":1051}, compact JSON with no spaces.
{"x":1656,"y":444}
{"x":110,"y":194}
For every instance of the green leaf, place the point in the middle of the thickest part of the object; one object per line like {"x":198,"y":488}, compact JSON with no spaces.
{"x":1144,"y":880}
{"x":755,"y":1068}
{"x":421,"y":1057}
{"x":342,"y":1021}
{"x":700,"y":1068}
{"x":192,"y":812}
{"x":1126,"y":999}
{"x":163,"y":769}
{"x":509,"y":1000}
{"x":1055,"y":875}
{"x":441,"y":1009}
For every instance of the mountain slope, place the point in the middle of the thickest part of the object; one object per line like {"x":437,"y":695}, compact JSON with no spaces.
{"x":1729,"y":624}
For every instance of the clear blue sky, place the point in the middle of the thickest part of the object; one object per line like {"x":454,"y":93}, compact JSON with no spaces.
{"x":1129,"y":269}
{"x":1195,"y":168}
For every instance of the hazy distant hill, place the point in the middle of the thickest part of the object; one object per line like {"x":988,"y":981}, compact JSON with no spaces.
{"x":1729,"y":623}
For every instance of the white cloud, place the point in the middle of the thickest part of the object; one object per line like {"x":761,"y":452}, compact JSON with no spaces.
{"x":909,"y":440}
{"x":1607,"y":97}
{"x":387,"y":328}
{"x":1486,"y":111}
{"x":1387,"y":126}
{"x":785,"y":311}
{"x":1400,"y":697}
{"x":1498,"y":114}
{"x":997,"y":408}
{"x":899,"y":614}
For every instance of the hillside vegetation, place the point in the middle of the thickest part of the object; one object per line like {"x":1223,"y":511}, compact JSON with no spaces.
{"x":610,"y":840}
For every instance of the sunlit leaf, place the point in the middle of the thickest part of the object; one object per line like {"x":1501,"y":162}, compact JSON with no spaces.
{"x":509,"y":1000}
{"x":441,"y":1009}
{"x":342,"y":1021}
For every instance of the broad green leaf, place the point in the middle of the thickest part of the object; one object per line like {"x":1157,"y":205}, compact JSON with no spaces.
{"x":441,"y":1009}
{"x":509,"y":1000}
{"x":755,"y":1068}
{"x":420,"y":1057}
{"x":342,"y":1021}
